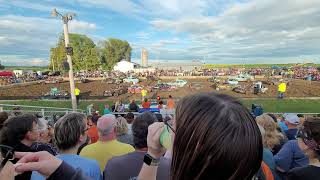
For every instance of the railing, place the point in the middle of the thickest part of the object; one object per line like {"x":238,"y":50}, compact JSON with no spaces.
{"x":49,"y":113}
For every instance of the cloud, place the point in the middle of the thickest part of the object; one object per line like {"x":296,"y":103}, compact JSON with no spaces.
{"x":253,"y":30}
{"x":13,"y":60}
{"x":33,"y":36}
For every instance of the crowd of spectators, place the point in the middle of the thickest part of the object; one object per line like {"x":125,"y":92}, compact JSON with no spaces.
{"x":210,"y":136}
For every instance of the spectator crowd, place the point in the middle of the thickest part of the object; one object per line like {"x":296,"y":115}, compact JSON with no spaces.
{"x":210,"y":136}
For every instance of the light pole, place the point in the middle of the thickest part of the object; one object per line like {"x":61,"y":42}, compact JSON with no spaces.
{"x":66,"y":18}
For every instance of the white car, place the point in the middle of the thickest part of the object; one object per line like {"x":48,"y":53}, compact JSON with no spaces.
{"x":131,"y":79}
{"x":178,"y":83}
{"x":232,"y":81}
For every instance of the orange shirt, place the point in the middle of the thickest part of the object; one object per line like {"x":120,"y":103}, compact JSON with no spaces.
{"x":170,"y":104}
{"x":93,"y":133}
{"x":146,"y":105}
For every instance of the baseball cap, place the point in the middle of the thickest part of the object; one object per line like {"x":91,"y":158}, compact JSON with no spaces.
{"x":292,"y":118}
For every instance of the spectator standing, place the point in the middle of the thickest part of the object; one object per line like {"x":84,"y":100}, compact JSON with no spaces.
{"x":146,"y":104}
{"x":309,"y":142}
{"x":107,"y":146}
{"x":106,"y":109}
{"x":130,"y":119}
{"x":20,"y":132}
{"x":292,"y":121}
{"x":122,"y":131}
{"x":132,"y":162}
{"x":282,"y":87}
{"x":93,"y":130}
{"x":77,"y":94}
{"x":43,"y":143}
{"x":170,"y":103}
{"x":133,"y":107}
{"x":143,"y":94}
{"x":70,"y":133}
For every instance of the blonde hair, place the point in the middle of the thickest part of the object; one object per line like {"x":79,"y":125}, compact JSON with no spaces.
{"x":271,"y":136}
{"x":121,"y":126}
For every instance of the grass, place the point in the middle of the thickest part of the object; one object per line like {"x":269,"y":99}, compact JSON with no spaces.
{"x":269,"y":105}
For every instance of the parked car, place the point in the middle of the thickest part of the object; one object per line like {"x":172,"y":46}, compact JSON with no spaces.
{"x":232,"y":81}
{"x":55,"y":93}
{"x":244,"y":77}
{"x":164,"y":87}
{"x":178,"y":83}
{"x":131,"y":79}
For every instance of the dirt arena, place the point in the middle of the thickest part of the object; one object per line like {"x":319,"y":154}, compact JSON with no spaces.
{"x":95,"y":89}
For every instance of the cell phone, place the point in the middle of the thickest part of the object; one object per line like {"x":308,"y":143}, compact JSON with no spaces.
{"x":165,"y":138}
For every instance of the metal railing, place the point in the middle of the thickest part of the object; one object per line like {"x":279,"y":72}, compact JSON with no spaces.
{"x":49,"y":113}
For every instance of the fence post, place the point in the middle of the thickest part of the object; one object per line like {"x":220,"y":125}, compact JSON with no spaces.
{"x":42,"y":112}
{"x":1,"y":108}
{"x":67,"y":111}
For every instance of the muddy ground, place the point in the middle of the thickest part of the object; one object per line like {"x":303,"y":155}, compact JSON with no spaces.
{"x":95,"y":89}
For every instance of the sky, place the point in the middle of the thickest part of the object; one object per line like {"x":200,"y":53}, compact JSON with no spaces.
{"x":213,"y":31}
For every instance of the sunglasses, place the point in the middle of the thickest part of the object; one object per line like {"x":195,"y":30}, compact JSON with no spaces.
{"x":7,"y":153}
{"x":309,"y":141}
{"x":168,"y":122}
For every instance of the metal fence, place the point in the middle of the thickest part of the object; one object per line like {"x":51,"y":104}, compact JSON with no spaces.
{"x":49,"y":113}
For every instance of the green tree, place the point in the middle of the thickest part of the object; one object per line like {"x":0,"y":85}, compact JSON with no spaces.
{"x":85,"y":53}
{"x":113,"y":51}
{"x":2,"y":67}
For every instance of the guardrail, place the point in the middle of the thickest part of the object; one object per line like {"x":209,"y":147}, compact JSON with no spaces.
{"x":46,"y":112}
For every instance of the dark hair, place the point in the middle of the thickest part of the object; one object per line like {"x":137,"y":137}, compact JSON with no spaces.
{"x":145,"y":100}
{"x":160,"y":102}
{"x":140,"y":128}
{"x":15,"y":129}
{"x":95,"y":118}
{"x":129,"y":117}
{"x":68,"y":129}
{"x":300,"y":115}
{"x":216,"y":138}
{"x":3,"y":117}
{"x":170,"y":96}
{"x":312,"y":127}
{"x":274,"y":118}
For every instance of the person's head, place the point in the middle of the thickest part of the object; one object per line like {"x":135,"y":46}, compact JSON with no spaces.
{"x":121,"y":126}
{"x":106,"y":127}
{"x":130,"y":117}
{"x":95,"y":119}
{"x":145,"y":100}
{"x":301,"y":117}
{"x":216,"y":138}
{"x":140,"y":129}
{"x":309,"y":137}
{"x":70,"y":131}
{"x":3,"y":117}
{"x":44,"y":135}
{"x":106,"y":106}
{"x":272,"y":136}
{"x":170,"y":97}
{"x":132,"y":101}
{"x":291,"y":120}
{"x":20,"y":129}
{"x":160,"y":102}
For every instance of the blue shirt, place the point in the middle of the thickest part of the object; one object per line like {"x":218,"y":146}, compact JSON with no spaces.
{"x":290,"y":156}
{"x":89,"y":167}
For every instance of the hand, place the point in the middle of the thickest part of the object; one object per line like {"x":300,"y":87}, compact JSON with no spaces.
{"x":8,"y":171}
{"x":42,"y":161}
{"x":153,"y":139}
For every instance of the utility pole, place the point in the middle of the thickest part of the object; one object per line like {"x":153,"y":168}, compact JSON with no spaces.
{"x":66,"y":18}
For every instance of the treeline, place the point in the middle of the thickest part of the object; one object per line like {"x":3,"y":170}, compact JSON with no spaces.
{"x":87,"y":55}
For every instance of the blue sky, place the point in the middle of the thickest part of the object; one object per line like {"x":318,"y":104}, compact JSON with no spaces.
{"x":215,"y":31}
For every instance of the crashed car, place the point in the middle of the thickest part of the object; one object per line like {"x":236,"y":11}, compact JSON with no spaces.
{"x":115,"y":92}
{"x":55,"y":93}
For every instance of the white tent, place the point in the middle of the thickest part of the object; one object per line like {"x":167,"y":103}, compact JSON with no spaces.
{"x":124,"y":66}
